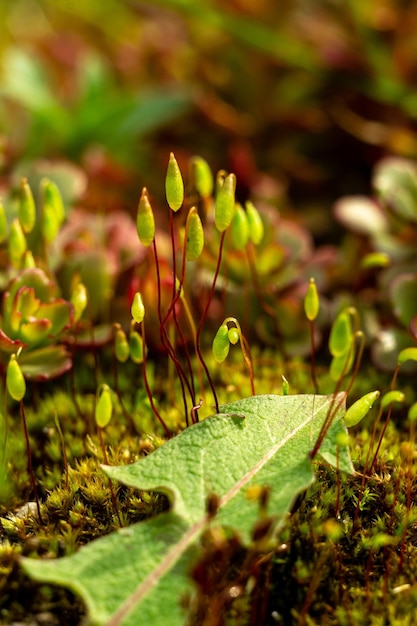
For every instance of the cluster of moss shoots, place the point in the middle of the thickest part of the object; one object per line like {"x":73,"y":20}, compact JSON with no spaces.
{"x":347,"y":549}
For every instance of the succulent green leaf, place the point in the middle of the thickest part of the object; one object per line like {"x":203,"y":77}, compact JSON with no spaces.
{"x":15,"y":381}
{"x":139,"y":574}
{"x":174,"y":185}
{"x":59,"y":312}
{"x":240,"y":228}
{"x":145,"y":221}
{"x":360,"y":408}
{"x":341,"y":335}
{"x":202,"y":176}
{"x":50,"y":223}
{"x":256,"y":225}
{"x":27,"y":209}
{"x":138,"y":308}
{"x":195,"y":236}
{"x":104,"y":406}
{"x":35,"y":331}
{"x":17,"y":243}
{"x":224,"y":206}
{"x":45,"y":363}
{"x":221,"y":344}
{"x":311,"y":301}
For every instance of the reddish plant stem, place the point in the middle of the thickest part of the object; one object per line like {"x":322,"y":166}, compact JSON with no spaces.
{"x":29,"y":455}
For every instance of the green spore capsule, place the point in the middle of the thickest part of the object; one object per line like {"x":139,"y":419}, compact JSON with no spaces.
{"x":50,"y":223}
{"x":240,"y":228}
{"x":360,"y":408}
{"x":256,"y":225}
{"x":375,"y":259}
{"x":15,"y":381}
{"x":392,"y":396}
{"x":341,"y":335}
{"x":104,"y":406}
{"x":27,"y":209}
{"x":311,"y":301}
{"x":17,"y":245}
{"x":137,"y":309}
{"x":145,"y":221}
{"x":202,"y":177}
{"x":121,"y":346}
{"x":79,"y":300}
{"x":174,"y":184}
{"x":224,"y":206}
{"x":195,"y":236}
{"x":233,"y":335}
{"x":3,"y":223}
{"x":408,"y":354}
{"x":412,"y":412}
{"x":341,"y":365}
{"x":52,"y":201}
{"x":221,"y":344}
{"x":136,"y":346}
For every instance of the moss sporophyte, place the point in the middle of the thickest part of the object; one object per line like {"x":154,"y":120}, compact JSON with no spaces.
{"x":138,"y":381}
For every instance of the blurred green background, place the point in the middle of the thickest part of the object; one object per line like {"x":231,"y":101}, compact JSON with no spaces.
{"x":299,"y":97}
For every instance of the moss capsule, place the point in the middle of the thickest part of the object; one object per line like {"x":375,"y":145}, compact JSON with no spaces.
{"x":256,"y":225}
{"x":136,"y":346}
{"x":145,"y":221}
{"x":15,"y":381}
{"x":408,"y":354}
{"x":195,"y":236}
{"x":311,"y":301}
{"x":17,"y":245}
{"x":240,"y":228}
{"x":104,"y":406}
{"x":174,"y":184}
{"x":52,"y":201}
{"x":79,"y":300}
{"x":360,"y":408}
{"x":221,"y":345}
{"x":392,"y":396}
{"x":27,"y":209}
{"x":137,"y":309}
{"x":224,"y":206}
{"x":121,"y":346}
{"x":3,"y":223}
{"x":233,"y":335}
{"x":341,"y":334}
{"x":202,"y":176}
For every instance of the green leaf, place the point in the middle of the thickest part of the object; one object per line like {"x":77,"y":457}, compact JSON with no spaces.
{"x":139,"y":573}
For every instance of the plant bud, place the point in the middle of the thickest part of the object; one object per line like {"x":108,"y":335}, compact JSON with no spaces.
{"x":240,"y":228}
{"x":224,"y":206}
{"x":311,"y":301}
{"x":221,"y":344}
{"x":202,"y":176}
{"x":137,"y":309}
{"x":27,"y":209}
{"x":174,"y":185}
{"x":145,"y":221}
{"x":15,"y":381}
{"x":104,"y":406}
{"x":195,"y":236}
{"x":17,"y":243}
{"x":360,"y":408}
{"x":256,"y":225}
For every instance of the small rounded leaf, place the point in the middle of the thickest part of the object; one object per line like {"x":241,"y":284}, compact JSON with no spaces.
{"x":137,"y":309}
{"x":202,"y":176}
{"x":17,"y":243}
{"x":360,"y":408}
{"x":27,"y":209}
{"x":104,"y":406}
{"x":240,"y":228}
{"x":145,"y":221}
{"x":256,"y":225}
{"x":15,"y":381}
{"x":224,"y":206}
{"x":174,"y":185}
{"x":221,"y":344}
{"x":311,"y":301}
{"x":195,"y":236}
{"x":341,"y":334}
